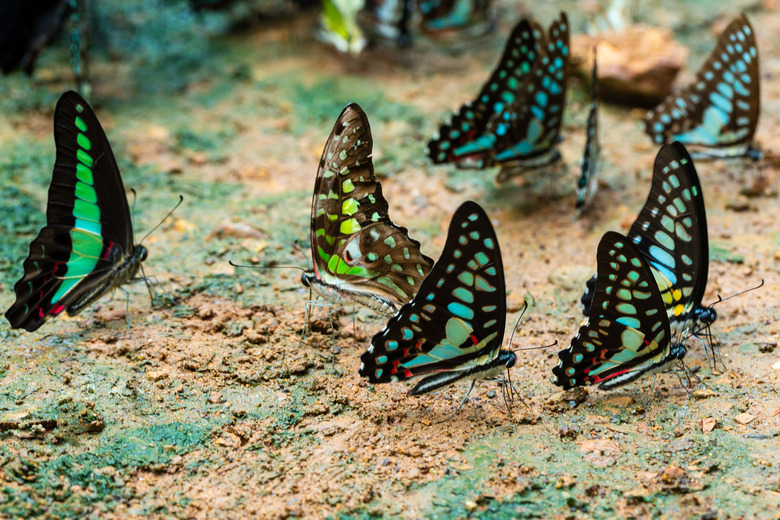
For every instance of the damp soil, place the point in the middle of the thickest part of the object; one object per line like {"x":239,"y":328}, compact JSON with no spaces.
{"x":213,"y":405}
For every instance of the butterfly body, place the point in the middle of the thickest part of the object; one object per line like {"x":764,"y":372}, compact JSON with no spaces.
{"x":86,"y":248}
{"x":717,"y":115}
{"x":628,"y":333}
{"x":359,"y":253}
{"x":453,"y":329}
{"x":517,"y":116}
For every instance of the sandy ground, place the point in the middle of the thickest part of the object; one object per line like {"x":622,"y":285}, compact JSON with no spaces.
{"x":213,"y":406}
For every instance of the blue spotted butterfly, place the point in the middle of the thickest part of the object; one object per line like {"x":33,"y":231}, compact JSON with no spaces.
{"x":517,"y":116}
{"x":717,"y":115}
{"x":671,"y":233}
{"x":439,"y":16}
{"x":86,"y":248}
{"x":453,"y":329}
{"x":591,"y":160}
{"x":628,"y":333}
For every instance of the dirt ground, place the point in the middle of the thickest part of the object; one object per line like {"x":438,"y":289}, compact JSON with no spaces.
{"x":212,"y":406}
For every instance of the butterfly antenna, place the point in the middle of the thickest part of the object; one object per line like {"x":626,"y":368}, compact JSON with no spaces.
{"x":181,"y":199}
{"x":738,"y":294}
{"x":260,"y":267}
{"x":512,"y":336}
{"x":297,"y":247}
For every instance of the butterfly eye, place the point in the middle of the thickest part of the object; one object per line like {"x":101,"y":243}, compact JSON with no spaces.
{"x":305,"y":280}
{"x":143,"y":253}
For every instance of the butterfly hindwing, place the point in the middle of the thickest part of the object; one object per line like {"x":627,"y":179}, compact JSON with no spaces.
{"x":456,"y":321}
{"x":86,"y":247}
{"x":501,"y":89}
{"x":627,"y":333}
{"x":358,"y":251}
{"x":718,"y":113}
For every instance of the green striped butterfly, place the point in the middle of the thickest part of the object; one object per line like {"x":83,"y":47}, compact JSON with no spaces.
{"x":86,"y":248}
{"x":359,"y":254}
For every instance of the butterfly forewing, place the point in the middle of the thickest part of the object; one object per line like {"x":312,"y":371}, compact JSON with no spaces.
{"x":526,"y":130}
{"x":457,"y":319}
{"x":671,"y":231}
{"x":718,"y":113}
{"x":591,"y":160}
{"x":627,"y":333}
{"x":355,"y":245}
{"x":502,"y":89}
{"x":88,"y":233}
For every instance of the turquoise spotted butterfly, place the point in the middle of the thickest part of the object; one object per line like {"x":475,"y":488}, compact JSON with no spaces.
{"x":518,"y":114}
{"x":628,"y":332}
{"x":591,"y":159}
{"x":359,"y":254}
{"x":453,"y":329}
{"x":671,"y":233}
{"x":86,"y":248}
{"x":717,"y":115}
{"x":439,"y":16}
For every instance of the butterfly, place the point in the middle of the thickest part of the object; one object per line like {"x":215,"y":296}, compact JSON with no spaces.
{"x":453,"y":329}
{"x":628,"y":333}
{"x":718,"y":113}
{"x":446,"y":15}
{"x":671,"y":233}
{"x":591,"y":160}
{"x":27,"y":27}
{"x":359,"y":253}
{"x":518,"y":113}
{"x":391,"y":19}
{"x":86,"y":248}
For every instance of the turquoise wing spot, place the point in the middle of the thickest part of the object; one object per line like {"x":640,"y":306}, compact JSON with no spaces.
{"x":463,"y":294}
{"x":460,"y":310}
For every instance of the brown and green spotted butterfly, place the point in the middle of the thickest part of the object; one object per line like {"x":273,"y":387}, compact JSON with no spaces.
{"x":86,"y":248}
{"x":359,"y":254}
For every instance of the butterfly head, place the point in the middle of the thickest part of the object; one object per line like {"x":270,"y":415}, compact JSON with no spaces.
{"x":141,"y":252}
{"x":306,"y":278}
{"x":707,"y":315}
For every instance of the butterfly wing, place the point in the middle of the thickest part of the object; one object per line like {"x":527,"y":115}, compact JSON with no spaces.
{"x":591,"y":160}
{"x":88,"y":231}
{"x":501,"y":89}
{"x":671,"y":232}
{"x":457,"y":319}
{"x":355,"y":245}
{"x":720,"y":109}
{"x":627,"y":333}
{"x":527,"y":129}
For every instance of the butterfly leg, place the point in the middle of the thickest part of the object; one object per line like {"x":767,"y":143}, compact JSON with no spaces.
{"x":462,"y":401}
{"x":127,"y":311}
{"x":652,"y":391}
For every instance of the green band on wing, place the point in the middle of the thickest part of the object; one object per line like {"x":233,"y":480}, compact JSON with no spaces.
{"x":86,"y":236}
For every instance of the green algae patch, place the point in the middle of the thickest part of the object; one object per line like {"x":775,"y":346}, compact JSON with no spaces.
{"x":72,"y":484}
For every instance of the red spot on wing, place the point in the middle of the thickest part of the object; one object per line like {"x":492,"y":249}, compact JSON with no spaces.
{"x":56,"y":310}
{"x":474,"y":339}
{"x":108,"y":250}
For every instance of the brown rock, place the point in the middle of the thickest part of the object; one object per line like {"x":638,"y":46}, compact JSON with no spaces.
{"x":744,"y":418}
{"x":600,"y":452}
{"x":708,"y":424}
{"x":637,"y":65}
